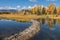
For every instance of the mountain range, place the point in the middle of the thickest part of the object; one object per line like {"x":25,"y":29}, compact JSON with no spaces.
{"x":8,"y":10}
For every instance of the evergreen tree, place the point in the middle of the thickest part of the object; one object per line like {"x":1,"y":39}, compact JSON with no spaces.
{"x":55,"y":11}
{"x":38,"y":12}
{"x":43,"y":10}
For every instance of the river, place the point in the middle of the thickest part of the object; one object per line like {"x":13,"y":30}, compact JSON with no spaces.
{"x":50,"y":29}
{"x":8,"y":27}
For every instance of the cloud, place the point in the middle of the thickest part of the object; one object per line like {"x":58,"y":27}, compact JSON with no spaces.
{"x":18,"y":6}
{"x":29,"y":7}
{"x":50,"y":0}
{"x":9,"y":7}
{"x":26,"y":7}
{"x":1,"y":7}
{"x":33,"y":0}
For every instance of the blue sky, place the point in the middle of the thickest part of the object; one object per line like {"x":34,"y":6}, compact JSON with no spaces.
{"x":26,"y":3}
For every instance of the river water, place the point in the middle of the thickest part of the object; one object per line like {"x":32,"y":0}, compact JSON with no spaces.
{"x":50,"y":29}
{"x":8,"y":27}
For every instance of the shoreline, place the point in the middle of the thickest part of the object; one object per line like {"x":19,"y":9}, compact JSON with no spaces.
{"x":27,"y":18}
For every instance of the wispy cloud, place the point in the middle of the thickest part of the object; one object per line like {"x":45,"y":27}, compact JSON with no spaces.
{"x":1,"y":7}
{"x":18,"y":6}
{"x":50,"y":0}
{"x":26,"y":7}
{"x":33,"y":0}
{"x":9,"y":7}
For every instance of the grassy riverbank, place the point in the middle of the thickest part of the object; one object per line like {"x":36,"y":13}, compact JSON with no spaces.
{"x":27,"y":18}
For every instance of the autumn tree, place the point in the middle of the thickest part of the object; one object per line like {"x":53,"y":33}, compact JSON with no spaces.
{"x":51,"y":8}
{"x":58,"y":10}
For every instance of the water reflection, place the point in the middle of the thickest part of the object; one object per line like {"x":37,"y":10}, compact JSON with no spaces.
{"x":8,"y":27}
{"x":50,"y":22}
{"x":43,"y":21}
{"x":58,"y":21}
{"x":46,"y":33}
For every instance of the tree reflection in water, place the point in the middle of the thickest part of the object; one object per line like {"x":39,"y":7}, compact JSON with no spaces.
{"x":51,"y":22}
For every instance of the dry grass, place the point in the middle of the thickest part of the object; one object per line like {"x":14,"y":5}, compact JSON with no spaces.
{"x":25,"y":17}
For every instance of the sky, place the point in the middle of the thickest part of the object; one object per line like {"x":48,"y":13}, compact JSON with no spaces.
{"x":23,"y":4}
